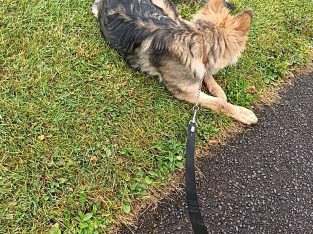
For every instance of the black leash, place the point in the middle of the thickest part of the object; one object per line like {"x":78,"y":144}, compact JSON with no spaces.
{"x":193,"y":208}
{"x":190,"y":176}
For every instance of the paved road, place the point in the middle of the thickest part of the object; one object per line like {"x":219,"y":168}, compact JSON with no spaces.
{"x":260,"y":182}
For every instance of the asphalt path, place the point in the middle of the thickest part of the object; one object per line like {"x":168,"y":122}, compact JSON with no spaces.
{"x":260,"y":181}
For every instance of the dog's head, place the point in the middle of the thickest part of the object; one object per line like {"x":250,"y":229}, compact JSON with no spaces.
{"x":232,"y":28}
{"x":217,"y":13}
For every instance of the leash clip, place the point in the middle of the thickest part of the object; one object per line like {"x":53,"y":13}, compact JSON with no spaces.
{"x":196,"y":106}
{"x":195,"y":111}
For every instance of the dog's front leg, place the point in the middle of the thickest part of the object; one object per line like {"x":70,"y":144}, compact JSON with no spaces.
{"x":214,"y":88}
{"x":239,"y":113}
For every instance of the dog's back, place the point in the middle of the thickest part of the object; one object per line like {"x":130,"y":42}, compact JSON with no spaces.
{"x":126,"y":24}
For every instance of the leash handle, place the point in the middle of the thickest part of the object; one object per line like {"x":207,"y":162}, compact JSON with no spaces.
{"x":193,"y":208}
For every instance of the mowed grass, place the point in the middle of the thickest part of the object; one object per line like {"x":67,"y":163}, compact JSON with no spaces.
{"x":84,"y":138}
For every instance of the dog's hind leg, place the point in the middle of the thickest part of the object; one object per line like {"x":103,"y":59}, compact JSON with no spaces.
{"x":168,"y":8}
{"x":214,"y":88}
{"x":239,"y":113}
{"x":96,"y":7}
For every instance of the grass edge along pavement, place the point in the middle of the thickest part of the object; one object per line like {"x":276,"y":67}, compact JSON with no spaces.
{"x":177,"y":182}
{"x":72,"y":157}
{"x":231,"y":177}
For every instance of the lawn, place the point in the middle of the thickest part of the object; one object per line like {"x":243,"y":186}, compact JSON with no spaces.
{"x":83,"y":138}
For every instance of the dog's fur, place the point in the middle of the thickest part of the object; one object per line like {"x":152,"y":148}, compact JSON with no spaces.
{"x":154,"y":38}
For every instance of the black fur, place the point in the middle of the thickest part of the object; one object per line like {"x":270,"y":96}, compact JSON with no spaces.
{"x":122,"y":30}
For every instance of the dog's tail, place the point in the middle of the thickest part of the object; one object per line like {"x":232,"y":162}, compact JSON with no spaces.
{"x":96,"y":7}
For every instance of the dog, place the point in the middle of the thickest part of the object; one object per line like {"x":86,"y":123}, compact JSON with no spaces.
{"x":153,"y":37}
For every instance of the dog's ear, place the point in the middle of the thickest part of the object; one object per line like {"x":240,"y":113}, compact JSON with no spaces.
{"x":215,"y":5}
{"x":243,"y":20}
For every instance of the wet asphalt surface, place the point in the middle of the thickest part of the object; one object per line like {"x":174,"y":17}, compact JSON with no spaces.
{"x":261,"y":181}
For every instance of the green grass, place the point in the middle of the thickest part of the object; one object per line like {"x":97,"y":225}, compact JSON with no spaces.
{"x":83,"y":137}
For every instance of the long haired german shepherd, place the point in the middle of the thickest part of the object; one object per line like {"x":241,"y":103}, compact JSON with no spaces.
{"x":152,"y":36}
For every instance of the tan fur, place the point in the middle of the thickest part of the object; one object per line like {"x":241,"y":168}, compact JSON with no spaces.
{"x":214,"y":88}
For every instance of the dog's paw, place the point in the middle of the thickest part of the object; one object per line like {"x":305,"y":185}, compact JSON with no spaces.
{"x":245,"y":115}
